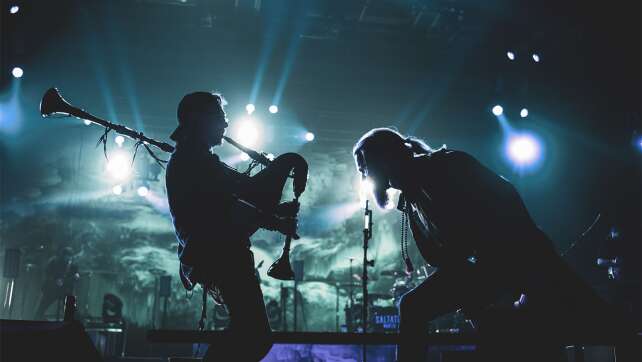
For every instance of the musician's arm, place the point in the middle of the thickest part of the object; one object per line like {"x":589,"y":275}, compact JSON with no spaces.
{"x":233,"y":213}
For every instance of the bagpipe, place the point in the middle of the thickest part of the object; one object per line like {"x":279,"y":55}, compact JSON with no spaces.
{"x":264,"y":190}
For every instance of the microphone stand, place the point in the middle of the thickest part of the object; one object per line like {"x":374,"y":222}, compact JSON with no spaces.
{"x":367,"y":235}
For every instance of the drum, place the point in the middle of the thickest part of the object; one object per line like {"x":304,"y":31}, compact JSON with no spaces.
{"x":384,"y":319}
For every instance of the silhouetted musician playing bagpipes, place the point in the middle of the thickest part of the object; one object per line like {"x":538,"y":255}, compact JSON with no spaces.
{"x":215,"y":210}
{"x":472,"y":225}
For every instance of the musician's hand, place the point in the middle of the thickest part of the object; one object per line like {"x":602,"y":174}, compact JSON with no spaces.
{"x":288,"y":209}
{"x":287,"y":226}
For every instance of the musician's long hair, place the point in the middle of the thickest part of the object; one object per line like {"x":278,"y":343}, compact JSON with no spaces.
{"x":388,"y":141}
{"x":386,"y":146}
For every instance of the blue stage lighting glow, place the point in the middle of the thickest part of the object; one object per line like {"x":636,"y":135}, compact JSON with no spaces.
{"x":498,"y":110}
{"x":250,"y":108}
{"x":247,"y":133}
{"x":523,"y":149}
{"x":273,"y":109}
{"x":117,"y":190}
{"x":510,"y":55}
{"x":17,"y":72}
{"x":245,"y":157}
{"x":523,"y":113}
{"x":119,"y":166}
{"x":14,"y":9}
{"x":309,"y":136}
{"x":119,"y":140}
{"x":142,"y":191}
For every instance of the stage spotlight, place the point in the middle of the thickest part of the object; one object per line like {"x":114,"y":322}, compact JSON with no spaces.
{"x":270,"y":156}
{"x":309,"y":136}
{"x":273,"y":109}
{"x":87,"y":123}
{"x":523,"y":113}
{"x":498,"y":110}
{"x":14,"y":9}
{"x":143,"y":191}
{"x":245,"y":157}
{"x":250,"y":108}
{"x":510,"y":55}
{"x":17,"y":72}
{"x":247,"y":133}
{"x":536,"y":58}
{"x":117,"y":190}
{"x":119,"y":167}
{"x":119,"y":140}
{"x":523,"y":150}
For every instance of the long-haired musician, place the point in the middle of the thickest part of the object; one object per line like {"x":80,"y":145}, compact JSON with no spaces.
{"x":472,"y":225}
{"x":213,"y":224}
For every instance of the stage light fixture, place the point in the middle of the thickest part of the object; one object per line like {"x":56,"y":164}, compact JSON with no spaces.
{"x":536,"y":58}
{"x":14,"y":9}
{"x":510,"y":55}
{"x":309,"y":136}
{"x":250,"y":108}
{"x":273,"y":109}
{"x":87,"y":123}
{"x":247,"y":133}
{"x":523,"y":149}
{"x":523,"y":113}
{"x":498,"y":110}
{"x":119,"y":140}
{"x":119,"y":166}
{"x":142,"y":191}
{"x":17,"y":72}
{"x":117,"y":190}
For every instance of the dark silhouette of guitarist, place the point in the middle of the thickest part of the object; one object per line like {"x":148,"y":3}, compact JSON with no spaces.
{"x":61,"y":275}
{"x":213,"y":224}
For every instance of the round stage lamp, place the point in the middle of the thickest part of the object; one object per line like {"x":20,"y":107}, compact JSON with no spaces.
{"x":309,"y":136}
{"x":14,"y":9}
{"x":273,"y":109}
{"x":523,"y":150}
{"x":510,"y":55}
{"x":117,"y":190}
{"x":143,"y":191}
{"x":119,"y":140}
{"x":498,"y":110}
{"x":247,"y":133}
{"x":119,"y":167}
{"x":250,"y":108}
{"x":523,"y":113}
{"x":17,"y":72}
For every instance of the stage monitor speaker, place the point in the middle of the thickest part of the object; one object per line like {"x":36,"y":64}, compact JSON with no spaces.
{"x":11,"y":263}
{"x":165,"y":289}
{"x":45,"y":341}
